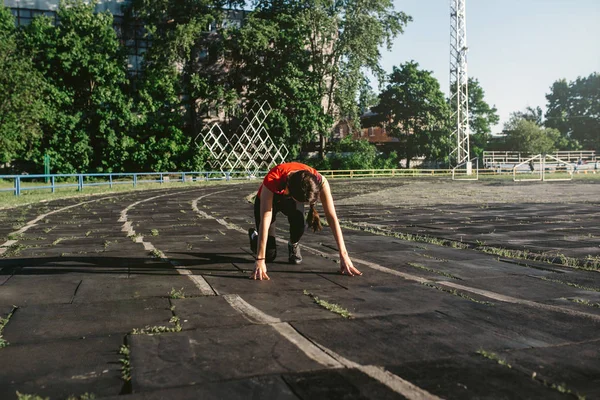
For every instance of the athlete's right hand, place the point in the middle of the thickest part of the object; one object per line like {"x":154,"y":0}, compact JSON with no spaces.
{"x":260,"y":271}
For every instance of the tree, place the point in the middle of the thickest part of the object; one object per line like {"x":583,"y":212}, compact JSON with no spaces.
{"x":22,"y":103}
{"x":317,"y":49}
{"x":526,"y":136}
{"x":482,"y":116}
{"x":574,"y":109}
{"x":84,"y":64}
{"x":414,"y":109}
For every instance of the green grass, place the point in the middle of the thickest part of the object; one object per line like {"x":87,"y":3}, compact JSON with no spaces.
{"x":457,"y":293}
{"x":494,"y":357}
{"x":158,"y":329}
{"x":590,"y":263}
{"x":125,"y":363}
{"x":334,"y":308}
{"x":3,"y":322}
{"x":23,"y":396}
{"x":435,"y":271}
{"x":9,"y":200}
{"x":575,"y":285}
{"x":584,"y":302}
{"x":176,"y":294}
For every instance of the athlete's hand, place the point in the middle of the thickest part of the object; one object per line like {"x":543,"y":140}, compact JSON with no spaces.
{"x":260,"y":271}
{"x":346,"y":267}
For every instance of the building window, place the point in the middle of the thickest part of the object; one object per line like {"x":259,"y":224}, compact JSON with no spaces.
{"x":371,"y":133}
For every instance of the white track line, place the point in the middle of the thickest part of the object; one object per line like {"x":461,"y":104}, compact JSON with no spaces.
{"x":4,"y":246}
{"x":325,"y":356}
{"x":199,"y":281}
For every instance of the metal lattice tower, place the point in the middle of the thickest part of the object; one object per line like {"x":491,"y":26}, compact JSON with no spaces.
{"x":250,"y":149}
{"x":459,"y":94}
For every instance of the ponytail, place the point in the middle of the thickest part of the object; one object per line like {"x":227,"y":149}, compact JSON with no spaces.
{"x":313,"y":220}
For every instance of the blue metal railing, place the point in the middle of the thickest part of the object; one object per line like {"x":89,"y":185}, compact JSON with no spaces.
{"x":53,"y":182}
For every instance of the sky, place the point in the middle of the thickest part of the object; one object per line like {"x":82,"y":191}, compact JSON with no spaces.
{"x":517,"y":48}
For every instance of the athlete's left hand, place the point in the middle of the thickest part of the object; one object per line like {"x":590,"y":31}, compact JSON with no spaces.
{"x":346,"y":267}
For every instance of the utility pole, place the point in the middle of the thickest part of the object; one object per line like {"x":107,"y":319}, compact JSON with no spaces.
{"x":459,"y":94}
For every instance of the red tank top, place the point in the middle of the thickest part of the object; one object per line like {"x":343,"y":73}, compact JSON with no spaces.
{"x":276,"y":178}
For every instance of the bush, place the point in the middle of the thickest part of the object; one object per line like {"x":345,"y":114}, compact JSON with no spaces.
{"x":354,"y":154}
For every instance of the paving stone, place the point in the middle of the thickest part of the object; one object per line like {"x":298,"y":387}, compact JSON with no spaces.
{"x":42,"y":323}
{"x":5,"y":275}
{"x":24,"y":290}
{"x":574,"y":302}
{"x":201,"y":258}
{"x":260,"y":387}
{"x":134,"y":286}
{"x":522,"y":287}
{"x":227,"y":283}
{"x":396,"y":339}
{"x":574,"y":365}
{"x":338,"y":384}
{"x":289,"y":305}
{"x":393,"y":298}
{"x":473,"y":377}
{"x":210,"y":355}
{"x":62,"y":368}
{"x":207,"y":312}
{"x":534,"y":327}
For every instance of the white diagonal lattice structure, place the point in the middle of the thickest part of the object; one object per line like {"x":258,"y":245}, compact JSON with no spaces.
{"x":250,"y":149}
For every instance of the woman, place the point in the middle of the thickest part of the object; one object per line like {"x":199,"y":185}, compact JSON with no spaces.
{"x":286,"y":188}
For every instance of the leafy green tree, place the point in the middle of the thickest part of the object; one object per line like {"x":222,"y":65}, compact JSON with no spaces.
{"x":532,"y":114}
{"x":574,"y":109}
{"x":84,"y":63}
{"x":22,"y":103}
{"x":416,"y":111}
{"x":313,"y":54}
{"x":272,"y":64}
{"x":349,"y":153}
{"x":526,"y":136}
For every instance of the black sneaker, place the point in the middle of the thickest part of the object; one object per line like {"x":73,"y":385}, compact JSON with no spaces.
{"x":253,"y":240}
{"x":294,"y":253}
{"x":271,"y":249}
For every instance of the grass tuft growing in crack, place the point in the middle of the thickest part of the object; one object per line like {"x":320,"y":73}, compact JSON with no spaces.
{"x":156,"y":253}
{"x":15,"y":236}
{"x":329,"y":306}
{"x":24,"y":396}
{"x":560,"y":387}
{"x":494,"y":357}
{"x":457,"y":293}
{"x":85,"y":396}
{"x":125,"y":363}
{"x":590,"y":263}
{"x":575,"y":285}
{"x":584,"y":302}
{"x":154,"y":232}
{"x":3,"y":322}
{"x":157,"y":329}
{"x":176,"y":294}
{"x":435,"y":271}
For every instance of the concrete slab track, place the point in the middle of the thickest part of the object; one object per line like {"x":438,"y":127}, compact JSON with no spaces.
{"x":145,"y":295}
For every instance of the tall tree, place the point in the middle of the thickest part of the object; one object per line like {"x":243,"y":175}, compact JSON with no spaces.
{"x":22,"y":103}
{"x":527,"y":136}
{"x":574,"y":109}
{"x":325,"y":44}
{"x":84,"y":63}
{"x":416,"y":111}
